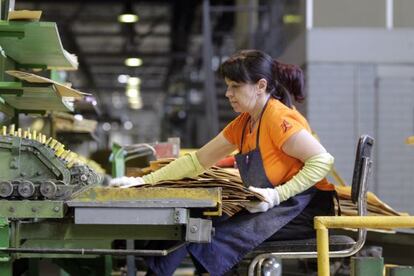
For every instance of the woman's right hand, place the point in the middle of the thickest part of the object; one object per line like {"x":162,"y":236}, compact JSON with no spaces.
{"x":126,"y":182}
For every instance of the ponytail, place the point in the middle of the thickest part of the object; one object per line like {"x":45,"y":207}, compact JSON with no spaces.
{"x":289,"y":81}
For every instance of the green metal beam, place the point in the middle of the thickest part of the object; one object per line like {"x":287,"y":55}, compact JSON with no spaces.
{"x":31,"y":209}
{"x":10,"y":87}
{"x":16,"y":31}
{"x":66,"y":230}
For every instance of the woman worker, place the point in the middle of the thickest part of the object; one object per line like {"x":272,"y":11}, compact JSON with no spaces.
{"x":278,"y":158}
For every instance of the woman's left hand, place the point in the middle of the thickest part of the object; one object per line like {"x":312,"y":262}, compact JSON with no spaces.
{"x":270,"y":195}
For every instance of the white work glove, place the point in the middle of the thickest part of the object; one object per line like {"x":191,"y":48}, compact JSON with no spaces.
{"x":270,"y":195}
{"x":126,"y":182}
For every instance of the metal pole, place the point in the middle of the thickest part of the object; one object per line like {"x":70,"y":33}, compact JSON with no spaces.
{"x":209,"y":80}
{"x":93,"y":251}
{"x":309,"y":14}
{"x":130,"y":259}
{"x":322,"y":245}
{"x":389,"y":14}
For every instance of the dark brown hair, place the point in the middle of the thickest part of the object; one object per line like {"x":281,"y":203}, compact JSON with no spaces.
{"x":249,"y":66}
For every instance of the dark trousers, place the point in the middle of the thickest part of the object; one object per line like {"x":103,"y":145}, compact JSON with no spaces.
{"x":301,"y":227}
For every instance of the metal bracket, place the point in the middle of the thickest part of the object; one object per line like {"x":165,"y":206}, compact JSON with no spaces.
{"x":180,"y":215}
{"x":199,"y":230}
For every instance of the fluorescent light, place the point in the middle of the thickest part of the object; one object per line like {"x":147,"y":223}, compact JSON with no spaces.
{"x":135,"y":81}
{"x":128,"y":18}
{"x":132,"y":93}
{"x":133,"y":62}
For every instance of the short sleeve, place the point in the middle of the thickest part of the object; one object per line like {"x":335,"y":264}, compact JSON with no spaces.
{"x":285,"y":125}
{"x":233,"y":131}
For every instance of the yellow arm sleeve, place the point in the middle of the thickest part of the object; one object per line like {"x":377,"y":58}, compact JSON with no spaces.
{"x":313,"y":171}
{"x":185,"y":166}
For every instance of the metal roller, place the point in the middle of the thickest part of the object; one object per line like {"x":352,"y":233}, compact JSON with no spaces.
{"x":48,"y":189}
{"x":6,"y":189}
{"x":26,"y":189}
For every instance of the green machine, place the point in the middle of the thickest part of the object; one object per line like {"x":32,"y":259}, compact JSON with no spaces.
{"x":39,"y":169}
{"x":52,"y":206}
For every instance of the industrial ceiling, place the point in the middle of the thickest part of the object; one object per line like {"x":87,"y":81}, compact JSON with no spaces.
{"x":90,"y":30}
{"x":168,"y":37}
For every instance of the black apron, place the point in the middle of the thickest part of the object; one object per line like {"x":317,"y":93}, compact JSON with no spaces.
{"x":236,"y":236}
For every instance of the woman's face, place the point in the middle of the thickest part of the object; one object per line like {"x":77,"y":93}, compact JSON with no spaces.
{"x":242,"y":96}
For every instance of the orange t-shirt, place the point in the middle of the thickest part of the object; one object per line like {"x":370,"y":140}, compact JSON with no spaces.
{"x":278,"y":123}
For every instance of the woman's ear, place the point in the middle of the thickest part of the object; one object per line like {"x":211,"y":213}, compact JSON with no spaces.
{"x":262,"y":86}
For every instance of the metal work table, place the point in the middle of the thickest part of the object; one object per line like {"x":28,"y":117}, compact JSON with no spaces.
{"x":86,"y":225}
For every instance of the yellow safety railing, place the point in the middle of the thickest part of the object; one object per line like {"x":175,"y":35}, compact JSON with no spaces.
{"x":323,"y":223}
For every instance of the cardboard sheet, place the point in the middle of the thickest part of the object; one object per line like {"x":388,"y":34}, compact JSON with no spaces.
{"x":61,"y":90}
{"x":24,"y":15}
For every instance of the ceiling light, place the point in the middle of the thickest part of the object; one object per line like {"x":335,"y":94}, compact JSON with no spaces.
{"x":123,"y":78}
{"x":134,"y":81}
{"x":128,"y":18}
{"x":133,"y":62}
{"x":132,"y":93}
{"x":135,"y":106}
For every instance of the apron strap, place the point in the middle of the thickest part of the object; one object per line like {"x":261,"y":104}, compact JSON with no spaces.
{"x":260,"y":122}
{"x":242,"y":136}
